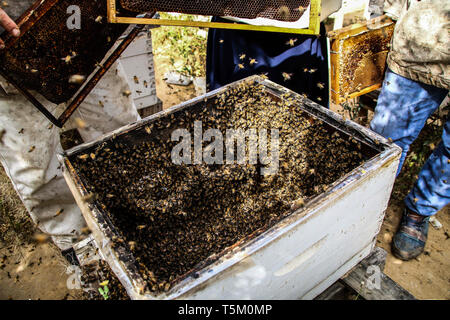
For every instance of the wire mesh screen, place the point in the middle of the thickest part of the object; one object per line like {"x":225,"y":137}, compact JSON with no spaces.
{"x":282,"y":10}
{"x":48,"y":53}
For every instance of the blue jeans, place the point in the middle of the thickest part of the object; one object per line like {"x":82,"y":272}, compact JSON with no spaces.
{"x":402,"y":110}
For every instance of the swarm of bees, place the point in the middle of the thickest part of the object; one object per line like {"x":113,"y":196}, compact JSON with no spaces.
{"x":173,"y":217}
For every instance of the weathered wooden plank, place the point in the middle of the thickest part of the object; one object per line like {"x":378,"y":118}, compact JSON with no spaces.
{"x":369,"y":281}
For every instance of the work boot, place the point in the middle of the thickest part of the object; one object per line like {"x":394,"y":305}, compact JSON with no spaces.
{"x":409,"y":241}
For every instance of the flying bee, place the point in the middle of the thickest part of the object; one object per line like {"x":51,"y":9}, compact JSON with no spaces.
{"x":241,"y":66}
{"x":312,"y":70}
{"x":141,"y":227}
{"x":287,"y":76}
{"x":101,"y":104}
{"x":99,"y":19}
{"x":320,"y":85}
{"x":40,"y":237}
{"x":32,"y":149}
{"x":127,"y":93}
{"x":221,"y":41}
{"x":319,"y":99}
{"x":253,"y":61}
{"x":291,"y":42}
{"x":76,"y":79}
{"x":58,"y":213}
{"x":301,"y":9}
{"x":136,"y":79}
{"x":242,"y":56}
{"x":22,"y":131}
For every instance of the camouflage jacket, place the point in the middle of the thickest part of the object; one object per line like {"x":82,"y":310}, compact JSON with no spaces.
{"x":420,"y":47}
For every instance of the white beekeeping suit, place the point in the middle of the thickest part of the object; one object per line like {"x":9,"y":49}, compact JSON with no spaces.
{"x":29,"y":146}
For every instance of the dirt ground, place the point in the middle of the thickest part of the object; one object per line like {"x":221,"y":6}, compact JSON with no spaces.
{"x":29,"y":271}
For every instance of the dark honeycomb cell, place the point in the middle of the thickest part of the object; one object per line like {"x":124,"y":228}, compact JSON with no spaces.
{"x":283,"y":10}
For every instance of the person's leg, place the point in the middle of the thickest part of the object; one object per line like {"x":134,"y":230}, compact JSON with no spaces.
{"x":431,"y":192}
{"x":403,"y":108}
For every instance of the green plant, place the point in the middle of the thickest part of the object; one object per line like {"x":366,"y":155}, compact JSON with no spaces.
{"x":104,"y":290}
{"x":184,"y":47}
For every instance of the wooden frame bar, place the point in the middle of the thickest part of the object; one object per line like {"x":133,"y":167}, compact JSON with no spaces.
{"x":314,"y":21}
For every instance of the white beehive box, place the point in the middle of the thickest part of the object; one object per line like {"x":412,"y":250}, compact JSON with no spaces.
{"x":297,"y":258}
{"x":138,"y":64}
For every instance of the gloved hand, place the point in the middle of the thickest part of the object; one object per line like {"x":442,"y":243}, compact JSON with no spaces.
{"x":9,"y":25}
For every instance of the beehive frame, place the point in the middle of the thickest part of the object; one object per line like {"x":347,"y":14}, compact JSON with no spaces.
{"x":314,"y":21}
{"x":349,"y":39}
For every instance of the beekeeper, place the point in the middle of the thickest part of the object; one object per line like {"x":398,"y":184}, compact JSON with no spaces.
{"x":415,"y":85}
{"x":29,"y":144}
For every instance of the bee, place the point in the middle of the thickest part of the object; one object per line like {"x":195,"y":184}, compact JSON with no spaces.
{"x":34,"y":71}
{"x":83,"y":156}
{"x":136,"y":79}
{"x":2,"y":134}
{"x":319,"y":99}
{"x":22,"y":131}
{"x":99,"y":19}
{"x":85,"y":230}
{"x":100,"y":103}
{"x":32,"y":149}
{"x":291,"y":42}
{"x":145,"y":84}
{"x":40,"y":237}
{"x":141,"y":227}
{"x":284,"y":13}
{"x":301,"y":9}
{"x":241,"y":66}
{"x":390,"y":140}
{"x":50,"y":126}
{"x":132,"y":245}
{"x":92,"y":155}
{"x":127,"y":93}
{"x":68,"y":59}
{"x":242,"y":56}
{"x":76,"y":79}
{"x":253,"y":61}
{"x":287,"y":76}
{"x":312,"y":70}
{"x":89,"y":198}
{"x":297,"y":204}
{"x":320,"y":85}
{"x":221,"y":41}
{"x":58,"y":213}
